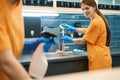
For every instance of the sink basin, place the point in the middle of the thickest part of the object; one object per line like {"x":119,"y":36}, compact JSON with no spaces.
{"x":66,"y":54}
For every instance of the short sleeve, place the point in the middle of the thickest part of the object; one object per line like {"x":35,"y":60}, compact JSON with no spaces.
{"x":92,"y":33}
{"x":4,"y":39}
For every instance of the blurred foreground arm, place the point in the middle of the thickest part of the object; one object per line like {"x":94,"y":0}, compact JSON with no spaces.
{"x":10,"y":65}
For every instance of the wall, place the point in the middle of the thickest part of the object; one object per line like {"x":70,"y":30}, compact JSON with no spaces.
{"x":114,"y":23}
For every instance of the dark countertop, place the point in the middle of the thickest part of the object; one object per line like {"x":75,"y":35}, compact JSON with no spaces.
{"x":26,"y":57}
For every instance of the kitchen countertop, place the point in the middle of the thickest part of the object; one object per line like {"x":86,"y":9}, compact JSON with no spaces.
{"x":26,"y":57}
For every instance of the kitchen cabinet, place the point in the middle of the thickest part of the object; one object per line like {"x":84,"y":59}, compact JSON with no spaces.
{"x":38,"y":2}
{"x":66,"y":6}
{"x":105,"y":1}
{"x":117,"y":2}
{"x":68,"y":64}
{"x":60,"y":64}
{"x":110,"y":2}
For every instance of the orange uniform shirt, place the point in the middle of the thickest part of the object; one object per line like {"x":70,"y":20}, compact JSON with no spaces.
{"x":99,"y":56}
{"x":11,"y":29}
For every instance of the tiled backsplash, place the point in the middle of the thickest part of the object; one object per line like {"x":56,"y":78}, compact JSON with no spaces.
{"x":71,"y":19}
{"x":114,"y":23}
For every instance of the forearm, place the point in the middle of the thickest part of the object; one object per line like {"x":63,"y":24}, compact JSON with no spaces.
{"x":81,"y":30}
{"x":30,"y":45}
{"x":79,"y":40}
{"x":12,"y":67}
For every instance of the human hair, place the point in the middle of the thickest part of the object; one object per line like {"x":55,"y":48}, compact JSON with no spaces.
{"x":92,"y":3}
{"x":16,"y":2}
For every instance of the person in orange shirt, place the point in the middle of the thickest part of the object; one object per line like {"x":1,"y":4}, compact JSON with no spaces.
{"x":11,"y":40}
{"x":96,"y":36}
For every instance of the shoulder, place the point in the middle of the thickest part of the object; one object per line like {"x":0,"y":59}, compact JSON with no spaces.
{"x":98,"y":20}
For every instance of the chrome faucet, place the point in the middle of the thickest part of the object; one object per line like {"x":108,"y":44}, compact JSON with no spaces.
{"x":63,"y":32}
{"x":63,"y":44}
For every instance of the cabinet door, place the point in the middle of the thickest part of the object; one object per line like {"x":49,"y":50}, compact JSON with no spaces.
{"x":105,"y":1}
{"x":70,"y":0}
{"x":117,"y":2}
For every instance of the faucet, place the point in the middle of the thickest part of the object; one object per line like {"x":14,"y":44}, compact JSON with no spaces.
{"x":63,"y":44}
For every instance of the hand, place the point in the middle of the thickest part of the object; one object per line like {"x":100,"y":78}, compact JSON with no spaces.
{"x":31,"y":45}
{"x":78,"y":51}
{"x":49,"y":43}
{"x":66,"y":38}
{"x":68,"y":27}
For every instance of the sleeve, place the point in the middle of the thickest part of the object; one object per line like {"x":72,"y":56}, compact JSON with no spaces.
{"x":30,"y":45}
{"x":4,"y":36}
{"x":92,"y":33}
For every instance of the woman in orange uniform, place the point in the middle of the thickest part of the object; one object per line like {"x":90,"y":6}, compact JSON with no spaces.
{"x":11,"y":40}
{"x":96,"y":36}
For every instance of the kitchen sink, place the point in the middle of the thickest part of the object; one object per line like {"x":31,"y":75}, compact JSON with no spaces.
{"x":66,"y":54}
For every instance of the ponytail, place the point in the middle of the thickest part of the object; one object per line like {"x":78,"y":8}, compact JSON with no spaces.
{"x":108,"y":37}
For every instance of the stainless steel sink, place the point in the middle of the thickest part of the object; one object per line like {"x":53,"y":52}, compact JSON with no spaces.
{"x":66,"y":54}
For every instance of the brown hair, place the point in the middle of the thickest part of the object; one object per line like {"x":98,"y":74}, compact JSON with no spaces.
{"x":15,"y":1}
{"x":93,"y":4}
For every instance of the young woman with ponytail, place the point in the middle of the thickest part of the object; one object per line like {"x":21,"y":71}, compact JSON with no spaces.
{"x":96,"y":36}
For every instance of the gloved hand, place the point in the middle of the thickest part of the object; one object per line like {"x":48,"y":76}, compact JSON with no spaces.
{"x":31,"y":45}
{"x":68,"y":27}
{"x":78,"y":51}
{"x":66,"y":38}
{"x":49,"y":43}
